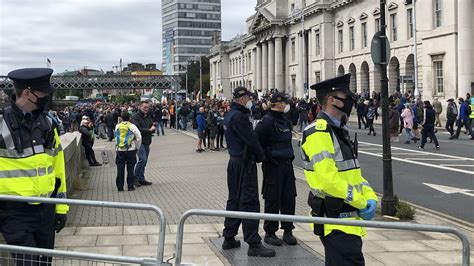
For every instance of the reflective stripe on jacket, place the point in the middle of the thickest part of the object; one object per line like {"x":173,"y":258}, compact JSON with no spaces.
{"x":33,"y":172}
{"x":332,"y":169}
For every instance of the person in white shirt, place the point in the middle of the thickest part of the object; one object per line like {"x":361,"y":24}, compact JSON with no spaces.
{"x":128,"y":141}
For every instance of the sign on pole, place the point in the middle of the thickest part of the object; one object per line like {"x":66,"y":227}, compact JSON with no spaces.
{"x":376,"y":48}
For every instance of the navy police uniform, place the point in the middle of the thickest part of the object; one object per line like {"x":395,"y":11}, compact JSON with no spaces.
{"x":279,"y":189}
{"x":31,"y":164}
{"x":242,"y":182}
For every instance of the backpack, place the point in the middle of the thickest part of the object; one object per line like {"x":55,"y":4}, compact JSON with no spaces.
{"x":124,"y":136}
{"x":371,"y":112}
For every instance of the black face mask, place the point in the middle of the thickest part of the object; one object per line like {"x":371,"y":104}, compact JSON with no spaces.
{"x":348,"y":104}
{"x":40,"y":102}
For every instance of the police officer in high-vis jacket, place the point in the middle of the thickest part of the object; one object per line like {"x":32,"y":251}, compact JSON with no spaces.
{"x":279,"y":188}
{"x":333,"y":173}
{"x":242,"y":181}
{"x":32,"y":165}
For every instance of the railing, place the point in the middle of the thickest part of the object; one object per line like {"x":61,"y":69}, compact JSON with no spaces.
{"x":104,"y":204}
{"x":318,"y":220}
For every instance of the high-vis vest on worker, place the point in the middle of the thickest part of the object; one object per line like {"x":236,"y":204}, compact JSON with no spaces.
{"x":333,"y":173}
{"x":471,"y":104}
{"x":33,"y":171}
{"x":124,"y":136}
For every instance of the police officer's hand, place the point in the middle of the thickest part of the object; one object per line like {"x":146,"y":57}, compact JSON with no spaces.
{"x":59,"y":222}
{"x":369,"y":212}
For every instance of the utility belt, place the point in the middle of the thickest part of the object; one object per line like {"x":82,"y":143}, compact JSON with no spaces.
{"x":329,"y":207}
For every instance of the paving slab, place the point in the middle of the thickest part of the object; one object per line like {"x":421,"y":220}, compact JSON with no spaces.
{"x":75,"y":241}
{"x":194,"y":228}
{"x":113,"y":250}
{"x":147,"y":250}
{"x":402,"y":258}
{"x":103,"y":230}
{"x":444,"y":257}
{"x":122,"y":240}
{"x":195,"y":238}
{"x":202,"y":260}
{"x":141,"y":229}
{"x":67,"y":231}
{"x":443,"y":245}
{"x":406,"y":245}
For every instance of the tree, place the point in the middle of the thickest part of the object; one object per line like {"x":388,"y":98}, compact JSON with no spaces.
{"x":206,"y":84}
{"x":193,"y":75}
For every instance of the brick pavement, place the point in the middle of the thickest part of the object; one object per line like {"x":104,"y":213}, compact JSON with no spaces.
{"x":183,"y":179}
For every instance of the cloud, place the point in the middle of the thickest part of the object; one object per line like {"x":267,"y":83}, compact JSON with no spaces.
{"x":96,"y":34}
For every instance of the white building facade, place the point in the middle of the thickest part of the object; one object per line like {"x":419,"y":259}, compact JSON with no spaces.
{"x":291,"y":44}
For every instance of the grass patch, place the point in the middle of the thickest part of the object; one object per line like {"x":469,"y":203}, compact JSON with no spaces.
{"x":404,"y":211}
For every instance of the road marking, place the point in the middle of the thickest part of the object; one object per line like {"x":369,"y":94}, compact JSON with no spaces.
{"x":451,"y":190}
{"x":436,"y":159}
{"x":458,"y":165}
{"x":421,"y":152}
{"x":421,"y":163}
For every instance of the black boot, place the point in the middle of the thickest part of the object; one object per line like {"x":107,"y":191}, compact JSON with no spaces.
{"x":273,"y":240}
{"x":289,"y":238}
{"x":230,"y":243}
{"x":258,"y":250}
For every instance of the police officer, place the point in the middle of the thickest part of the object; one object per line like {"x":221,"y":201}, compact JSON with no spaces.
{"x":279,"y":188}
{"x":333,"y":173}
{"x":31,"y":164}
{"x":242,"y":182}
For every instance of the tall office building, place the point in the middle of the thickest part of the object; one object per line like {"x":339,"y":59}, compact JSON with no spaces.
{"x":190,"y":28}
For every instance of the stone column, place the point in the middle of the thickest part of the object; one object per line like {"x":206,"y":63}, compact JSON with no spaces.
{"x":465,"y":48}
{"x":264,"y":66}
{"x":258,"y":70}
{"x":254,"y":67}
{"x":279,"y":84}
{"x":271,"y":65}
{"x":300,"y":72}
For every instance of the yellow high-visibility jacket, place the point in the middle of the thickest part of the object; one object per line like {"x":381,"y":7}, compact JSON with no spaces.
{"x":332,"y":170}
{"x":33,"y":172}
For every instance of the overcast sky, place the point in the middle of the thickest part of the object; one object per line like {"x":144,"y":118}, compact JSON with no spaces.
{"x":92,"y":33}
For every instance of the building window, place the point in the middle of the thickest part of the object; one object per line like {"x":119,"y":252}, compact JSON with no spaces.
{"x":438,"y":74}
{"x":410,"y":23}
{"x":293,"y":49}
{"x":318,"y":44}
{"x":377,"y":25}
{"x":292,"y":7}
{"x":364,"y":34}
{"x":351,"y":36}
{"x":438,"y":13}
{"x":393,"y":25}
{"x":250,"y":62}
{"x":317,"y":76}
{"x":341,"y":43}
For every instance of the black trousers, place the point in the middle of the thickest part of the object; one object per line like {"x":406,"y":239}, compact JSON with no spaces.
{"x":464,"y":123}
{"x":29,"y":226}
{"x":279,"y":193}
{"x":450,"y":125}
{"x":110,"y":132}
{"x":370,"y":125}
{"x":128,"y":158}
{"x":247,"y":201}
{"x":428,"y":132}
{"x":361,"y":118}
{"x":90,"y":155}
{"x":220,"y":137}
{"x":342,"y":249}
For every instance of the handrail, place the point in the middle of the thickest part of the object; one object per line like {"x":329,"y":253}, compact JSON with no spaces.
{"x":318,"y":220}
{"x":104,"y":204}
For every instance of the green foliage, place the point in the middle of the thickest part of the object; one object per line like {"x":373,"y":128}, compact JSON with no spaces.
{"x":193,"y":76}
{"x":404,"y":211}
{"x":121,"y":99}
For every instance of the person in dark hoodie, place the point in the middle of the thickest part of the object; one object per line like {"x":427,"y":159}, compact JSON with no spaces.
{"x":201,"y":128}
{"x":429,"y":119}
{"x":143,"y":120}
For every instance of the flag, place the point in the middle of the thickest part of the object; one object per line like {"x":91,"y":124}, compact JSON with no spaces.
{"x":48,"y":62}
{"x":120,"y":61}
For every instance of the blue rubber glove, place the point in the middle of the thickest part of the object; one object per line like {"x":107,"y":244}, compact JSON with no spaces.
{"x":369,"y":212}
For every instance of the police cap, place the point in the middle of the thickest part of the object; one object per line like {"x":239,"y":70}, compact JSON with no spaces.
{"x":242,"y":91}
{"x":279,"y":97}
{"x":37,"y":79}
{"x":340,"y":83}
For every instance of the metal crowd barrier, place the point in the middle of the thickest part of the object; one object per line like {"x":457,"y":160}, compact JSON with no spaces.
{"x":318,"y":220}
{"x":71,"y":258}
{"x":104,"y":204}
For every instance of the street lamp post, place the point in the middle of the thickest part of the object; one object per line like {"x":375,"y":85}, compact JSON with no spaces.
{"x":415,"y":50}
{"x":388,"y":199}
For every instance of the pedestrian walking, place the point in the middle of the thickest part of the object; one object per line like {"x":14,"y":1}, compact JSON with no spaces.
{"x":338,"y":189}
{"x":303,"y":114}
{"x":201,"y":129}
{"x":143,"y":121}
{"x":360,"y":114}
{"x":438,"y":107}
{"x":371,"y":112}
{"x":464,"y":120}
{"x":394,"y":122}
{"x":166,"y":116}
{"x":429,"y":120}
{"x":33,"y":161}
{"x":407,"y":116}
{"x":128,"y":141}
{"x":279,"y":188}
{"x":220,"y":129}
{"x":110,"y":122}
{"x":451,"y":116}
{"x":158,"y":120}
{"x":242,"y":182}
